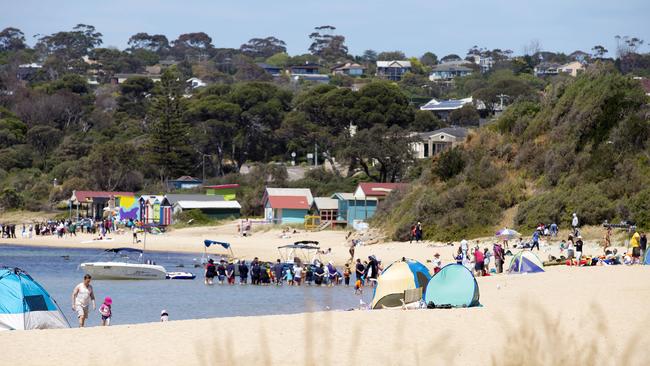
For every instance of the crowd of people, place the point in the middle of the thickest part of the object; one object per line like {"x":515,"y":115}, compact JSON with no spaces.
{"x":293,"y":274}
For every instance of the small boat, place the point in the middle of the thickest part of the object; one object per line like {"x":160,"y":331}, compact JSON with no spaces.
{"x":122,"y":267}
{"x":180,"y":276}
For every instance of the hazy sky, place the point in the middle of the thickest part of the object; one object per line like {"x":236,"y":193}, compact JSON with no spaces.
{"x":413,"y":26}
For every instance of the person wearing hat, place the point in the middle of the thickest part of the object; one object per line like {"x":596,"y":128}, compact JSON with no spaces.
{"x":164,"y":316}
{"x":578,"y":246}
{"x":575,"y":224}
{"x":437,"y":263}
{"x":105,"y":310}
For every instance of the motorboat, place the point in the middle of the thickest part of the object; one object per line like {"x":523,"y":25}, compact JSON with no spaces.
{"x":124,"y":264}
{"x":180,"y":276}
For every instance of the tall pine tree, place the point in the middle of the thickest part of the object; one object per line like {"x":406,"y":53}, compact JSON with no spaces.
{"x":169,"y":147}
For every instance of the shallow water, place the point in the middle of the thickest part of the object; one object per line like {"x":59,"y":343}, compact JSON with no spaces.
{"x":142,"y":301}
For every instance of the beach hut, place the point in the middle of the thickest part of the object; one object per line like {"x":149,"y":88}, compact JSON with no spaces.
{"x":155,"y":210}
{"x":350,"y":209}
{"x":287,"y":205}
{"x":396,"y":281}
{"x":454,"y":286}
{"x":24,"y":304}
{"x":215,"y":207}
{"x":525,"y":262}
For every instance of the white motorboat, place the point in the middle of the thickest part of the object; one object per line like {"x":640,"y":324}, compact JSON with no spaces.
{"x":123,"y":266}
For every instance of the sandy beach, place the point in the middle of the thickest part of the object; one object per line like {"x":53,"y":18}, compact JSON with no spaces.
{"x":264,"y":243}
{"x":574,"y":315}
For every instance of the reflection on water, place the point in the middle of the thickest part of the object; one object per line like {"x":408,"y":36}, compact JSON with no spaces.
{"x":141,"y":301}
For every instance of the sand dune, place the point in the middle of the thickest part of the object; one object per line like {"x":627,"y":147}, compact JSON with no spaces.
{"x":575,"y":315}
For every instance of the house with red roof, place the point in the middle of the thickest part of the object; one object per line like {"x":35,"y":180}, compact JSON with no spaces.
{"x":376,"y":190}
{"x":287,"y":205}
{"x":94,"y":202}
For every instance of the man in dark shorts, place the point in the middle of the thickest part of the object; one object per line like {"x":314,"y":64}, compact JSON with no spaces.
{"x":359,"y":270}
{"x":243,"y":272}
{"x":221,"y":271}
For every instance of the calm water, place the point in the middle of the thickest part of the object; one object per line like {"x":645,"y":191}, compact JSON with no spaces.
{"x":142,"y":301}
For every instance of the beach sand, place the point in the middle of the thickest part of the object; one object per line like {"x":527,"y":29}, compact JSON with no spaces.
{"x":264,"y":244}
{"x":588,"y":315}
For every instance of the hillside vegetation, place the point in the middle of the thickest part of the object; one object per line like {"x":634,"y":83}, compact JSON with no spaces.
{"x":582,"y":147}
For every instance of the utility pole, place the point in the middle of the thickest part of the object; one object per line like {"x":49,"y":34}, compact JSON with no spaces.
{"x":316,"y":154}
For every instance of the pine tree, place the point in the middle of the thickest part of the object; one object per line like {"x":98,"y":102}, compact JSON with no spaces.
{"x":169,"y":147}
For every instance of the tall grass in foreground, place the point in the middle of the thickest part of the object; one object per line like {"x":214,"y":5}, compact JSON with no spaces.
{"x":539,"y":338}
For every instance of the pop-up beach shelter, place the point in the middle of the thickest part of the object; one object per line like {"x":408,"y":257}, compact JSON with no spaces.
{"x":453,"y":286}
{"x":24,"y":304}
{"x":646,"y":260}
{"x":396,"y":280}
{"x":525,"y":262}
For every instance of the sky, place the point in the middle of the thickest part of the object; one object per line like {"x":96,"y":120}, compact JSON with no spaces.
{"x":412,"y":26}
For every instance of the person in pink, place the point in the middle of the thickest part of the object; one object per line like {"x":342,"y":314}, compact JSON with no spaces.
{"x":479,"y":262}
{"x":106,"y":311}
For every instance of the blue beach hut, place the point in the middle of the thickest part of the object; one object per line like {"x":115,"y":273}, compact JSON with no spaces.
{"x":24,"y":304}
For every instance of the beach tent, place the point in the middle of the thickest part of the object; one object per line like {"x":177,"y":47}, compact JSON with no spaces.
{"x":525,"y":262}
{"x":646,"y":260}
{"x":397,"y":279}
{"x":24,"y":304}
{"x":453,"y":286}
{"x":225,"y":245}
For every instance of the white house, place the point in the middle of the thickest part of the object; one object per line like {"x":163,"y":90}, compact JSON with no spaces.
{"x":195,"y":82}
{"x":435,"y":142}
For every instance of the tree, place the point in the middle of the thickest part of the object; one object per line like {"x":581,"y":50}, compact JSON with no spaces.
{"x":12,"y":39}
{"x":10,"y":199}
{"x":169,"y":148}
{"x":369,"y":56}
{"x":110,"y":164}
{"x":73,"y":44}
{"x":599,"y":51}
{"x":279,"y":60}
{"x":450,"y":163}
{"x":467,"y":115}
{"x":451,"y":57}
{"x":12,"y":129}
{"x":44,"y":139}
{"x":391,"y":55}
{"x":388,"y":149}
{"x":382,"y":102}
{"x":263,"y":47}
{"x":133,"y":96}
{"x":429,"y":59}
{"x":193,"y":45}
{"x":425,"y":121}
{"x":326,"y":45}
{"x":157,"y":43}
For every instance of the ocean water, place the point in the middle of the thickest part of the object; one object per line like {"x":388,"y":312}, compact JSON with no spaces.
{"x":56,"y":269}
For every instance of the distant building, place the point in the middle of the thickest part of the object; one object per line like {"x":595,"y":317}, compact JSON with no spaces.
{"x":484,"y":63}
{"x":432,"y":143}
{"x":448,"y":71}
{"x":25,"y":71}
{"x":228,"y":191}
{"x":579,"y":56}
{"x":215,"y":207}
{"x":393,"y":70}
{"x":94,"y":203}
{"x":349,"y":68}
{"x":184,"y":182}
{"x":572,"y":68}
{"x":195,"y":83}
{"x":307,"y":72}
{"x":121,"y":78}
{"x":275,"y":71}
{"x":442,"y":108}
{"x":327,"y":208}
{"x":546,"y":69}
{"x":349,"y":209}
{"x":287,"y":205}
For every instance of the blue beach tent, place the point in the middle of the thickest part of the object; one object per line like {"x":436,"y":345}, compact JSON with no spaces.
{"x":646,"y":260}
{"x":24,"y":304}
{"x":525,"y":262}
{"x":454,"y":286}
{"x":397,"y":278}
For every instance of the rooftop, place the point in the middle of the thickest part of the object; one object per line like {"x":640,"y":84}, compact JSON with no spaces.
{"x":326,"y":203}
{"x":176,"y":197}
{"x":85,"y":196}
{"x":394,"y":63}
{"x":445,"y":105}
{"x":188,"y":205}
{"x":380,"y":189}
{"x":289,"y":202}
{"x":222,"y":186}
{"x":453,"y":131}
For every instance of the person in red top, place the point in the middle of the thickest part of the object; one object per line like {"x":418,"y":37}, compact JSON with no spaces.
{"x":479,"y":262}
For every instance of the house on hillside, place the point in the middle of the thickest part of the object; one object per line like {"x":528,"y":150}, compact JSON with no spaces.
{"x":429,"y":144}
{"x":448,"y":71}
{"x":348,"y":68}
{"x":307,"y":72}
{"x":93,"y":204}
{"x":393,"y":70}
{"x":572,"y":68}
{"x":194,"y":83}
{"x":215,"y":207}
{"x":121,"y":78}
{"x":275,"y":71}
{"x":287,"y":205}
{"x":379,"y":191}
{"x":442,"y":108}
{"x":25,"y":71}
{"x":184,"y":182}
{"x":546,"y":69}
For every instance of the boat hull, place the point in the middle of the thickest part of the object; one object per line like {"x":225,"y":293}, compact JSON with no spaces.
{"x":124,"y":271}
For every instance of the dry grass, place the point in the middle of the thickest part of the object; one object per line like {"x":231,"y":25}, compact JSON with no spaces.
{"x":20,"y":216}
{"x":540,"y":337}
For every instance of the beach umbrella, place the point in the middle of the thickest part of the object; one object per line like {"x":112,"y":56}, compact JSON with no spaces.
{"x":507,"y":234}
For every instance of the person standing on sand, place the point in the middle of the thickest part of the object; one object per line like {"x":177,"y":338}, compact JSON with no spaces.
{"x":82,"y":296}
{"x":535,"y":241}
{"x":575,"y":224}
{"x":479,"y":264}
{"x":412,"y":232}
{"x":437,"y":263}
{"x":643,"y":244}
{"x":608,"y":238}
{"x":635,"y":245}
{"x":578,"y":246}
{"x":243,"y":273}
{"x":418,"y":232}
{"x":499,"y":257}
